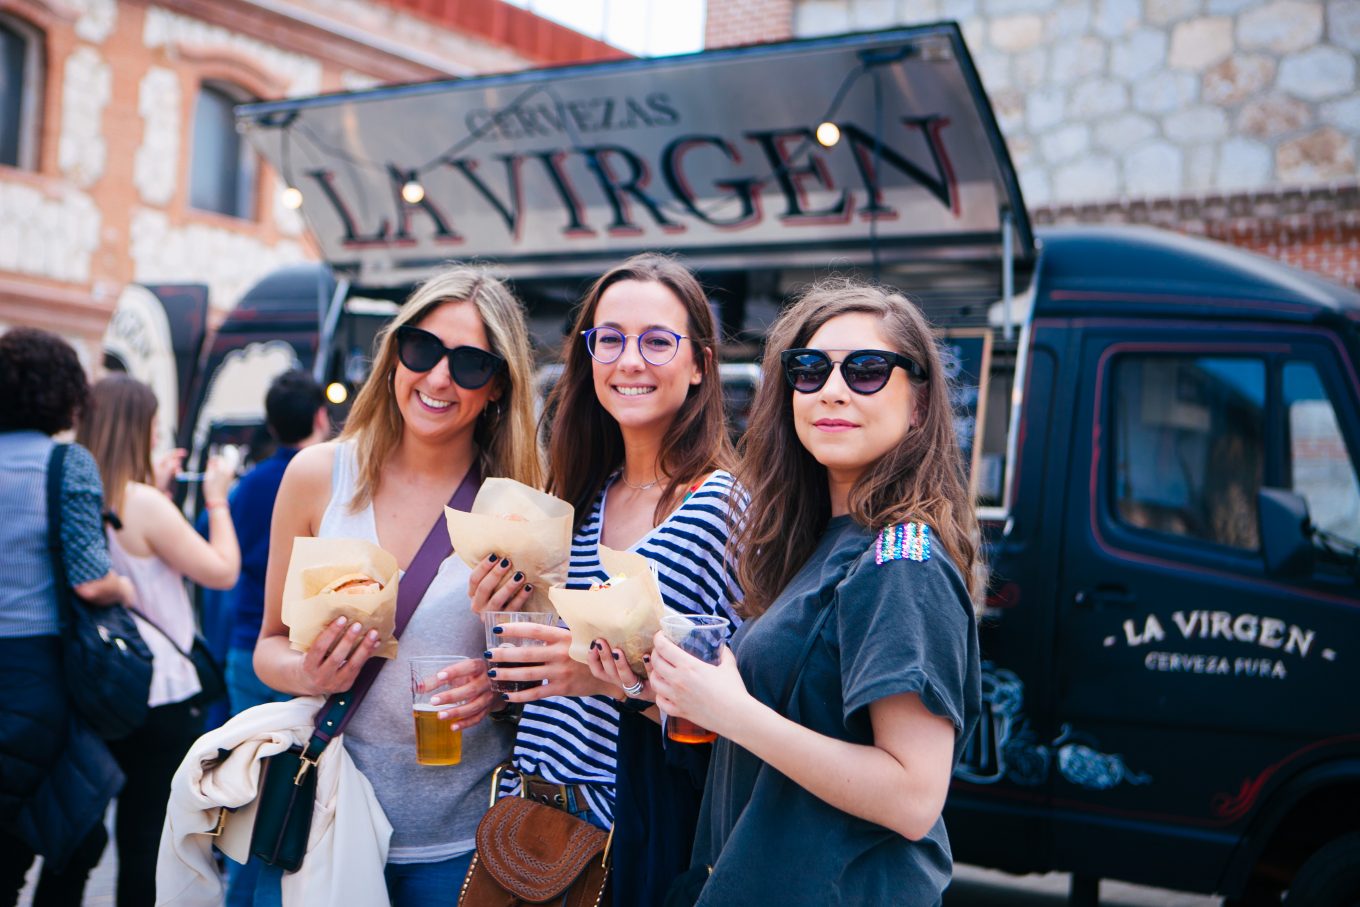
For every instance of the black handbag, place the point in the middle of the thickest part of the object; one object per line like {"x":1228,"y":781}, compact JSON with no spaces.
{"x":105,"y":662}
{"x":212,"y":680}
{"x":287,"y":796}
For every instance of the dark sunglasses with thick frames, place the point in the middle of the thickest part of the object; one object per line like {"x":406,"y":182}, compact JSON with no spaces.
{"x":470,"y":367}
{"x":864,"y":371}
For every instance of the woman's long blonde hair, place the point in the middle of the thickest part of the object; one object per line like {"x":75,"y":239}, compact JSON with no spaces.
{"x":504,"y":434}
{"x":920,"y":479}
{"x":116,"y":426}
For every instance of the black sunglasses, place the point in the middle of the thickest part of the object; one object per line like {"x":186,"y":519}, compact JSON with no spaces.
{"x":864,"y":371}
{"x":469,"y":366}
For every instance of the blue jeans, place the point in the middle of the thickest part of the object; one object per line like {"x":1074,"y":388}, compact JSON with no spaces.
{"x":408,"y":884}
{"x":427,"y":884}
{"x":244,"y":690}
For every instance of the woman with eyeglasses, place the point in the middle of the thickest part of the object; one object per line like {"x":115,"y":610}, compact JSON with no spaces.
{"x":639,"y":446}
{"x":450,"y":394}
{"x":850,"y":692}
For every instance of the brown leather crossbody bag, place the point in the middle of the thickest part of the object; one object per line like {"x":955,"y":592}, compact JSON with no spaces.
{"x":531,"y":853}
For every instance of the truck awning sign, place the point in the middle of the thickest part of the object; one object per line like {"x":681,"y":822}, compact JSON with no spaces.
{"x":714,"y":155}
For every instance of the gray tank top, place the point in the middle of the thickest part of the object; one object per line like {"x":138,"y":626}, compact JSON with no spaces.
{"x":434,"y":810}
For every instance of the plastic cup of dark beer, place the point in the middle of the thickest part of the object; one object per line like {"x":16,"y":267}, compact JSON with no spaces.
{"x":514,"y":651}
{"x":703,"y":637}
{"x":436,"y":744}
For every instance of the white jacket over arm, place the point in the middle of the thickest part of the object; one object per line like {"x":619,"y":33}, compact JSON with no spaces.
{"x":347,"y":847}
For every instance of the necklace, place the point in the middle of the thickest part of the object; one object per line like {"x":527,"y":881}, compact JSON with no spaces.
{"x":643,"y":487}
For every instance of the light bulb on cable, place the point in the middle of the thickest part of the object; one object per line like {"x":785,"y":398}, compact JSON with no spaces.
{"x":412,"y":192}
{"x":292,"y":198}
{"x":828,"y":134}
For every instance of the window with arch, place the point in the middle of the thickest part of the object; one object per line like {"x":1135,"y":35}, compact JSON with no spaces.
{"x":21,"y":74}
{"x":222,"y":164}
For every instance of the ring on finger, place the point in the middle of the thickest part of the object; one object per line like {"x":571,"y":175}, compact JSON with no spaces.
{"x":634,"y":689}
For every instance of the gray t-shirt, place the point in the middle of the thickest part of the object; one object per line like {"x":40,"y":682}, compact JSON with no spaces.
{"x":903,"y":626}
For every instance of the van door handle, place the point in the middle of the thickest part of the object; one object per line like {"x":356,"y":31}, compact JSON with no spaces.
{"x":1105,"y":596}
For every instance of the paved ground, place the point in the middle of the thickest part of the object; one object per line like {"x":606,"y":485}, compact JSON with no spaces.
{"x":973,"y":887}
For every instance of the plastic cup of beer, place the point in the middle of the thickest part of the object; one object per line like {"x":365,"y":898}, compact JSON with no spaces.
{"x":520,"y":654}
{"x":703,"y":637}
{"x":436,"y":744}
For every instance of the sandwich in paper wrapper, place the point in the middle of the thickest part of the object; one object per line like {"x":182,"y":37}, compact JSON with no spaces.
{"x":625,"y":612}
{"x":510,"y":519}
{"x":330,"y":578}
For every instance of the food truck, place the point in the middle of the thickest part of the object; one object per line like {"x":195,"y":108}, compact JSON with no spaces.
{"x":1161,"y":433}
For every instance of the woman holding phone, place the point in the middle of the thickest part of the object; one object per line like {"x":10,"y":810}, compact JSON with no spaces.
{"x":639,"y":446}
{"x":849,"y":694}
{"x":450,"y":393}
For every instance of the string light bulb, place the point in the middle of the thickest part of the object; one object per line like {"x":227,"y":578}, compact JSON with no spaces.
{"x":337,"y":393}
{"x":828,"y":134}
{"x":412,"y":192}
{"x":292,"y":198}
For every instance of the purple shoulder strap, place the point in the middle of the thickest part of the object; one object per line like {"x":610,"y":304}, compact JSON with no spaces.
{"x":335,"y":714}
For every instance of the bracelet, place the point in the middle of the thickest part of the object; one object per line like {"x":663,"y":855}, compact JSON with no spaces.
{"x":209,"y":505}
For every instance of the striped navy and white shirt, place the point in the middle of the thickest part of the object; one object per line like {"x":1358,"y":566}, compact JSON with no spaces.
{"x":572,"y":740}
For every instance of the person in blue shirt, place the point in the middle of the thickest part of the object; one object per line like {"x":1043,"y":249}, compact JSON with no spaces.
{"x":295,"y":411}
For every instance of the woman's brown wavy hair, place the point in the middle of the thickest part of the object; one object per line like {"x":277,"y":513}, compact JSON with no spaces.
{"x":585,"y":444}
{"x":117,"y":428}
{"x":919,"y":480}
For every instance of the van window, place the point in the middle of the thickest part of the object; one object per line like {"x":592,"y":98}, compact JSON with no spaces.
{"x":1189,"y":445}
{"x":1320,"y":468}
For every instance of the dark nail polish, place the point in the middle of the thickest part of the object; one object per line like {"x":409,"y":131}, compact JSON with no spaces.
{"x":647,"y":659}
{"x":528,"y":587}
{"x":517,"y":578}
{"x":497,"y":629}
{"x":616,"y":655}
{"x":492,"y":558}
{"x":491,"y":673}
{"x":505,"y":562}
{"x":594,"y":646}
{"x":486,"y":654}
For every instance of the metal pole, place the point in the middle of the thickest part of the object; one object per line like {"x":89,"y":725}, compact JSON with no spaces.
{"x":1007,"y":274}
{"x":328,"y":326}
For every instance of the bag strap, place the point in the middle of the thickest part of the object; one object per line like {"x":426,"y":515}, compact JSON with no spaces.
{"x":823,"y":612}
{"x":340,"y":707}
{"x":56,"y":469}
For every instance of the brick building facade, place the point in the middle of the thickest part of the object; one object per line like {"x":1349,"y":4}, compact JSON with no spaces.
{"x":118,"y":161}
{"x":1234,"y":119}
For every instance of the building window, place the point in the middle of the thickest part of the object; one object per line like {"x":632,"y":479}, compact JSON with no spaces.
{"x":20,"y":92}
{"x":1189,"y":440}
{"x":222,"y":166}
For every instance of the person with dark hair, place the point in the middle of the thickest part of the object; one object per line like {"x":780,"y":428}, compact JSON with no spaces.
{"x":639,"y":447}
{"x":54,"y":772}
{"x":295,"y":414}
{"x":852,"y":689}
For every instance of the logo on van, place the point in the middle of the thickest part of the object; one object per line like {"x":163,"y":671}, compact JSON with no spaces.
{"x":1270,"y":633}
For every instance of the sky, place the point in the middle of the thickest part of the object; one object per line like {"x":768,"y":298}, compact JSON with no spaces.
{"x":651,"y":28}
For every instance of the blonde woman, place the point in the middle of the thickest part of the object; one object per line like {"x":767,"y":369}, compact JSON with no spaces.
{"x":156,"y":548}
{"x":451,"y":390}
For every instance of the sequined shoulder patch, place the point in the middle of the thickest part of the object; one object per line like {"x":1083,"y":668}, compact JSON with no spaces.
{"x":905,"y":541}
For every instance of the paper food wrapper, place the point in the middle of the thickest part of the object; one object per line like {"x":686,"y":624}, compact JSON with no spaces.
{"x":626,"y":614}
{"x":512,"y":520}
{"x":315,"y":563}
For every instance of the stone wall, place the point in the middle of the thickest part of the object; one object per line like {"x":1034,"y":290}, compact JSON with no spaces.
{"x":1103,"y":99}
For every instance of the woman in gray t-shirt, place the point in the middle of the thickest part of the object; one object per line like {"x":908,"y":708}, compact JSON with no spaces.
{"x":855,"y":682}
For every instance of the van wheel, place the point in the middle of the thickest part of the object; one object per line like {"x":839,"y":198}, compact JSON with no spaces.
{"x":1330,"y":877}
